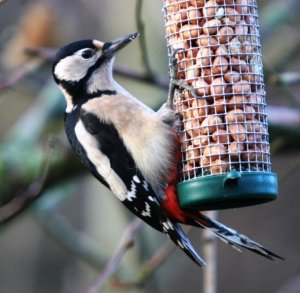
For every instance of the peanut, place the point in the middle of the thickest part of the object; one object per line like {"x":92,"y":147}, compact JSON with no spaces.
{"x":254,"y":138}
{"x":214,"y":151}
{"x":250,"y":156}
{"x":235,"y":149}
{"x":202,"y":88}
{"x":192,"y":127}
{"x":193,"y":15}
{"x":250,"y":112}
{"x":197,"y":3}
{"x":232,"y":17}
{"x":239,"y":65}
{"x":210,"y":9}
{"x":252,"y":78}
{"x":220,"y":136}
{"x":254,"y":126}
{"x":199,"y":107}
{"x":205,"y":161}
{"x":242,"y":6}
{"x":219,"y":106}
{"x":191,"y":53}
{"x":220,"y":65}
{"x":241,"y":31}
{"x":225,"y":34}
{"x":188,"y":171}
{"x":232,"y":76}
{"x":219,"y":166}
{"x":180,"y":16}
{"x":172,"y":8}
{"x":237,"y":102}
{"x":234,"y":47}
{"x":203,"y":57}
{"x":192,"y":73}
{"x":190,"y":31}
{"x":211,"y":27}
{"x":236,"y":115}
{"x":171,"y":28}
{"x":218,"y":86}
{"x":200,"y":141}
{"x":256,"y":100}
{"x":207,"y":41}
{"x":207,"y":75}
{"x":184,"y":111}
{"x":193,"y":154}
{"x":237,"y":132}
{"x":241,"y":87}
{"x":210,"y":124}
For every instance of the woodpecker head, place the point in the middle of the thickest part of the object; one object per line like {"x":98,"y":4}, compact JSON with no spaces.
{"x":84,"y":67}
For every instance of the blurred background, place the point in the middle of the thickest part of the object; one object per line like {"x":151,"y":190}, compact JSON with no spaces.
{"x":59,"y":226}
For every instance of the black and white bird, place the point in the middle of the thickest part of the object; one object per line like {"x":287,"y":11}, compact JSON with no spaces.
{"x":127,"y":146}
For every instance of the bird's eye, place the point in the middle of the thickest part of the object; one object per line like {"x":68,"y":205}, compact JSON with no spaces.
{"x":86,"y":54}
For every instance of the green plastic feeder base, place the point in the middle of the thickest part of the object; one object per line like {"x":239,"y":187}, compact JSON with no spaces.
{"x":232,"y":190}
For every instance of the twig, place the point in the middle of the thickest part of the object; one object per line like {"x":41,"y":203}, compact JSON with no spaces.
{"x":150,"y":266}
{"x":14,"y":78}
{"x":20,"y":74}
{"x":33,"y":191}
{"x":43,"y":52}
{"x":126,"y":242}
{"x":147,"y":269}
{"x":142,"y":39}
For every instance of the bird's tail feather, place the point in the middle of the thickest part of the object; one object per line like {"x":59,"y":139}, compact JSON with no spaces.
{"x":177,"y":235}
{"x":233,"y":238}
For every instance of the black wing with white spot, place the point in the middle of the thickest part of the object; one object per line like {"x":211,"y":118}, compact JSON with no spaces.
{"x":142,"y":202}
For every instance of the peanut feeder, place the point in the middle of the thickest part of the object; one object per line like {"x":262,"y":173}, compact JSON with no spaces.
{"x":224,"y":131}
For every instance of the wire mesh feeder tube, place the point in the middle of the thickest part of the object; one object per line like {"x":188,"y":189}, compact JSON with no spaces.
{"x":224,"y":132}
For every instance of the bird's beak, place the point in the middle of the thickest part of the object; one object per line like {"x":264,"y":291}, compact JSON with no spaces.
{"x":111,"y":48}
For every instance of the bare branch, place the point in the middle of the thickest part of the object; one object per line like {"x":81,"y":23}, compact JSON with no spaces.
{"x":43,"y":52}
{"x":34,"y":190}
{"x":146,"y":270}
{"x":142,"y":39}
{"x":126,"y":242}
{"x":20,"y":74}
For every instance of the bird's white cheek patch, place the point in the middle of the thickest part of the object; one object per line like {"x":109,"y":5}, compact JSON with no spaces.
{"x":71,"y":69}
{"x":100,"y":161}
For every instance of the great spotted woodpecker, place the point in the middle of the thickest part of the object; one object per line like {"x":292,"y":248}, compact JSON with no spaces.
{"x":127,"y":146}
